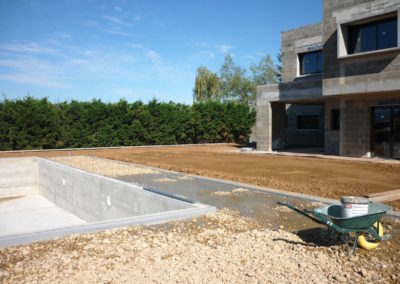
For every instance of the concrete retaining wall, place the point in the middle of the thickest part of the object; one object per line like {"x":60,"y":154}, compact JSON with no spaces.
{"x":93,"y":197}
{"x":18,"y":177}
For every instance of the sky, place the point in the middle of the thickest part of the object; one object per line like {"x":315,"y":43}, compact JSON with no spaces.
{"x":134,"y":49}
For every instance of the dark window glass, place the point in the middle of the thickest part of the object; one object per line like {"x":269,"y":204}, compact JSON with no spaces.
{"x":354,"y":40}
{"x":387,"y":34}
{"x":373,"y":36}
{"x":307,"y":122}
{"x":335,"y":118}
{"x":319,"y":67}
{"x":368,"y":38}
{"x":311,"y":62}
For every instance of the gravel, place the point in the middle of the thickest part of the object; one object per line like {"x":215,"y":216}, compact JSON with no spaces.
{"x":219,"y":248}
{"x":103,"y":166}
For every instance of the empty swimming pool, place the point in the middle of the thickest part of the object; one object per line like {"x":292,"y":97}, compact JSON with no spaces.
{"x":41,"y":199}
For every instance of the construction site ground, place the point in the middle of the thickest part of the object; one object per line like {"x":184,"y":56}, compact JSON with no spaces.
{"x":331,"y":178}
{"x":250,"y":239}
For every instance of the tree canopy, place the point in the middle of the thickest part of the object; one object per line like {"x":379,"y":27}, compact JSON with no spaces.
{"x":31,"y":123}
{"x":233,"y":82}
{"x":206,"y":85}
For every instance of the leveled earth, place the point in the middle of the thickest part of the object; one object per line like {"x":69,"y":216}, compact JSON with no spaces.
{"x":330,"y":178}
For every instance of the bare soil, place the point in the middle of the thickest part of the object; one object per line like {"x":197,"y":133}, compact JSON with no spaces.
{"x":323,"y":177}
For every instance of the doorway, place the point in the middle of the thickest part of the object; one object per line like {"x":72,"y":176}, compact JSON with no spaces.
{"x":385,"y":131}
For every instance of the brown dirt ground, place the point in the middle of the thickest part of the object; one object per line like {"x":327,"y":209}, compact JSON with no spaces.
{"x":323,"y":177}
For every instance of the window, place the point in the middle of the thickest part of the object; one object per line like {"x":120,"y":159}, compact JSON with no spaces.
{"x":310,"y":62}
{"x":307,"y":122}
{"x":335,"y":119}
{"x":372,"y":36}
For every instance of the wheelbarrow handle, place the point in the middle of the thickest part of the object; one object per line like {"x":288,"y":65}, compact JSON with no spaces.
{"x":300,"y":211}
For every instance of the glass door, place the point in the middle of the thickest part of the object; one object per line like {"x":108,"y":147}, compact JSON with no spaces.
{"x":385,"y":131}
{"x":396,"y":132}
{"x":381,"y":131}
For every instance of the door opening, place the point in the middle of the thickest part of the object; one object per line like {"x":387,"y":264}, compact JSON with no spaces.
{"x":385,"y":131}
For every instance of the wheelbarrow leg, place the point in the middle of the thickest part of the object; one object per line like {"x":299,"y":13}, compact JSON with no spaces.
{"x":355,"y":243}
{"x":346,"y":240}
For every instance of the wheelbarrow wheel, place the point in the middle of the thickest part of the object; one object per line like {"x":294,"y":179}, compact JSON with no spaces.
{"x":368,"y":243}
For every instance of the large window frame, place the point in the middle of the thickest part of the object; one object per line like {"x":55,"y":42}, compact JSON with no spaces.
{"x":371,"y":36}
{"x":345,"y":49}
{"x":310,"y":62}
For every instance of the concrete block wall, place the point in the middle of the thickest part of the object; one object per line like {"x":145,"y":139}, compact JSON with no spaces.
{"x":332,"y":137}
{"x":263,"y":133}
{"x":96,"y":198}
{"x":304,"y":137}
{"x":305,"y":88}
{"x":18,"y":177}
{"x":355,"y":120}
{"x":278,"y":125}
{"x":357,"y":73}
{"x":296,"y":41}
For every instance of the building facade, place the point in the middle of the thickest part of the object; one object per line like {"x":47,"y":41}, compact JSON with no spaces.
{"x":350,"y":65}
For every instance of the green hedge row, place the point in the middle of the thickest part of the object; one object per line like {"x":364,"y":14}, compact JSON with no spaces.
{"x":39,"y":124}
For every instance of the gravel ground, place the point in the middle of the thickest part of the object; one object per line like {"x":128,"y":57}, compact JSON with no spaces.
{"x":219,"y":248}
{"x":102,"y":166}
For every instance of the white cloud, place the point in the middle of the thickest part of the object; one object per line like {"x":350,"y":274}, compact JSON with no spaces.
{"x":33,"y":71}
{"x":137,"y":18}
{"x":224,"y":48}
{"x":137,"y":46}
{"x":118,"y":9}
{"x":117,"y":32}
{"x":116,"y":20}
{"x":249,"y":57}
{"x":154,"y":56}
{"x":62,"y":35}
{"x":32,"y":48}
{"x":89,"y":23}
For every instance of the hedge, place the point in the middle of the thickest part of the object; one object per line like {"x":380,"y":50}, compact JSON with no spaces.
{"x":31,"y":123}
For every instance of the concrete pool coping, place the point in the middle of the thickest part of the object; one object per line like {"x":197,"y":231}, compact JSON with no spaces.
{"x":169,"y":208}
{"x":255,"y":188}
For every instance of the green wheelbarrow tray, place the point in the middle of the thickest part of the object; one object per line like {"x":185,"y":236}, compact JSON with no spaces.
{"x":334,"y":213}
{"x":331,"y":216}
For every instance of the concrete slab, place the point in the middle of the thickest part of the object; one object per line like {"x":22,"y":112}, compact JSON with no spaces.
{"x":32,"y":213}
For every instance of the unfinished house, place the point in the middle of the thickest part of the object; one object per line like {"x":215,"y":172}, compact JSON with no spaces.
{"x":349,"y":66}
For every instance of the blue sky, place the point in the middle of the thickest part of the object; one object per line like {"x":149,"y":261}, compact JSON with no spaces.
{"x":135,"y":50}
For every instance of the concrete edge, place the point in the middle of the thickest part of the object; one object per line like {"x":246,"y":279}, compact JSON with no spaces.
{"x":116,"y":147}
{"x":326,"y":156}
{"x":256,"y":188}
{"x":151,"y":219}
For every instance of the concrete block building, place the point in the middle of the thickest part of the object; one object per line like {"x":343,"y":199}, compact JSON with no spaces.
{"x":349,"y":64}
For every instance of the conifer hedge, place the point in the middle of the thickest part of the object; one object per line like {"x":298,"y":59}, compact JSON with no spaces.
{"x":31,"y":123}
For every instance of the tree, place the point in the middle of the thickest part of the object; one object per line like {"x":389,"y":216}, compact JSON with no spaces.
{"x":265,"y":72}
{"x":279,"y":65}
{"x":233,"y":83}
{"x":206,"y":85}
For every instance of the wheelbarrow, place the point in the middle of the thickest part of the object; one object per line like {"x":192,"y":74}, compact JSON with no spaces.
{"x":367,"y":228}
